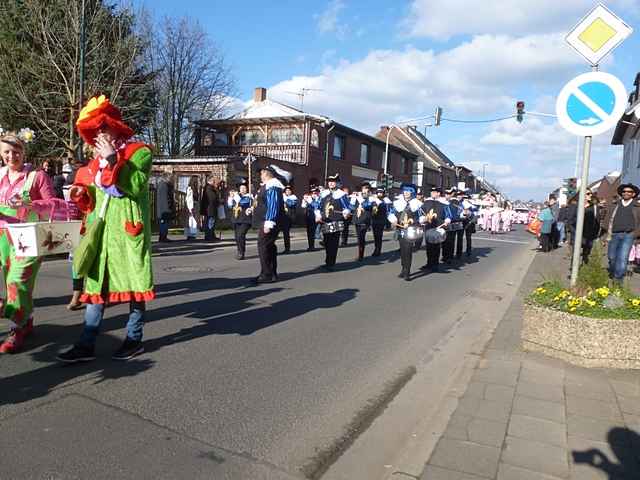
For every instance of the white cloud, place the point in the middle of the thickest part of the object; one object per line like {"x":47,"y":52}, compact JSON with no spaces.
{"x":470,"y":79}
{"x":329,"y":20}
{"x":442,"y":19}
{"x":490,"y":168}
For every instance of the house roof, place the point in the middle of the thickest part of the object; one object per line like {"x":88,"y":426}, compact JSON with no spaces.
{"x":412,"y":140}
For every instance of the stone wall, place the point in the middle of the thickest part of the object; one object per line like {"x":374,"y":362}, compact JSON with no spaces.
{"x":583,"y":341}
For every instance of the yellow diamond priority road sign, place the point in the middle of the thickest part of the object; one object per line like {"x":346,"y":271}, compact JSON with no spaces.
{"x":597,"y":34}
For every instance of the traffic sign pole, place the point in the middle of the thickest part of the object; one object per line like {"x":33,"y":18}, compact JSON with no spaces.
{"x":584,"y":182}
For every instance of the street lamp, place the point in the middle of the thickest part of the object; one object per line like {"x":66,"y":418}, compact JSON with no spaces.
{"x":484,"y":179}
{"x":386,"y":148}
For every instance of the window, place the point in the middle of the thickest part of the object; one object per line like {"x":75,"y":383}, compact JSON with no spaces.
{"x":405,"y":166}
{"x":364,"y":154}
{"x":252,"y":137}
{"x":338,"y":147}
{"x":285,"y":135}
{"x":207,"y":140}
{"x":221,"y":138}
{"x":315,"y":138}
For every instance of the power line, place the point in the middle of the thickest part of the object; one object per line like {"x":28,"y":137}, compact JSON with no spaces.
{"x":453,"y":120}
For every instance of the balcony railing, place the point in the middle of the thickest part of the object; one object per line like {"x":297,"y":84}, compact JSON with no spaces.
{"x":285,"y":153}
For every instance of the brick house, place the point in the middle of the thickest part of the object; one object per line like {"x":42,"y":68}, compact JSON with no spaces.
{"x":309,"y":146}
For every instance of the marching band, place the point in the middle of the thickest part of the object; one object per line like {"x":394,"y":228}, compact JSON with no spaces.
{"x":441,"y":223}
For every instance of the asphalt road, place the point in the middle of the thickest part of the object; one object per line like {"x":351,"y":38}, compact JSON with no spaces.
{"x":238,"y":381}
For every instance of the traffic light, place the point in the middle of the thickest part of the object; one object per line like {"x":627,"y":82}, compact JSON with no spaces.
{"x":520,"y":111}
{"x":438,"y":116}
{"x":387,"y":181}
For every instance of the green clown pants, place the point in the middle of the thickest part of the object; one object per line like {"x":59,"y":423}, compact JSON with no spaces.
{"x":19,"y":275}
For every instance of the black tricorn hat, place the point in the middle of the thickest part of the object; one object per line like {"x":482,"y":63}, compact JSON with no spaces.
{"x":628,"y":185}
{"x":365,"y":184}
{"x":334,"y":178}
{"x":242,"y":181}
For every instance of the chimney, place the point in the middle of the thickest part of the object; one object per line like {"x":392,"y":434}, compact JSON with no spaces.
{"x":259,"y":95}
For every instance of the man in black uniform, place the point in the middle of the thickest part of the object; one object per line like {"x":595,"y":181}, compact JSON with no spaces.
{"x":333,"y":211}
{"x":361,"y":210}
{"x":379,"y":211}
{"x":289,"y":217}
{"x":240,"y":205}
{"x":267,"y":217}
{"x":347,"y":222}
{"x":435,"y":212}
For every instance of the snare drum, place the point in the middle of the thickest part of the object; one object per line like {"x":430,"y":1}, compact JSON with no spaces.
{"x":333,"y":227}
{"x":435,"y":235}
{"x":411,"y":233}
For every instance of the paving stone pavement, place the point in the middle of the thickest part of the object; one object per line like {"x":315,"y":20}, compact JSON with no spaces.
{"x":529,"y":417}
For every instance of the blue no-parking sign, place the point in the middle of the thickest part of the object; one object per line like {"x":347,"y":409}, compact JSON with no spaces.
{"x":591,"y":104}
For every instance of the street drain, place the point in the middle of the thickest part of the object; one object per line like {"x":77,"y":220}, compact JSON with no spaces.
{"x":189,"y":269}
{"x":485,"y":295}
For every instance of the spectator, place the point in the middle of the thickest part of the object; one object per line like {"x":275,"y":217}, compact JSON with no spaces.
{"x":164,"y":210}
{"x":546,"y":231}
{"x":555,"y":211}
{"x":47,"y":167}
{"x":563,"y":220}
{"x":209,"y":208}
{"x":591,"y":229}
{"x":191,"y":224}
{"x":622,"y":224}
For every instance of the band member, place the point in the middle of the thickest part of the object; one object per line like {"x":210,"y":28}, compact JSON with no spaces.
{"x":347,"y":222}
{"x":240,"y":205}
{"x":406,"y":216}
{"x":361,"y":207}
{"x":290,"y":208}
{"x":451,"y":211}
{"x":470,"y":218}
{"x":418,"y":244}
{"x":311,"y":203}
{"x":267,"y":217}
{"x":333,"y":211}
{"x":458,"y":228}
{"x":379,"y":211}
{"x":437,"y":219}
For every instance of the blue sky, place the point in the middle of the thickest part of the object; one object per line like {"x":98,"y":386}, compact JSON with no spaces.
{"x":377,"y":62}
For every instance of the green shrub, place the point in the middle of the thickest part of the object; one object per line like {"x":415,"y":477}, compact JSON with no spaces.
{"x":594,"y":275}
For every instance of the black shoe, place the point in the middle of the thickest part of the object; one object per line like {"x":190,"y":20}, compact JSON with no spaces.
{"x":407,"y":277}
{"x":402,"y":274}
{"x":328,"y":268}
{"x":239,"y":256}
{"x":287,"y":250}
{"x":468,"y":254}
{"x":375,"y":254}
{"x":425,"y":267}
{"x":76,"y":354}
{"x":129,"y":349}
{"x":261,"y":279}
{"x":310,"y":249}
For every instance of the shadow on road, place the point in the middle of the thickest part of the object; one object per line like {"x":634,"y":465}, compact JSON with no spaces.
{"x":624,"y":444}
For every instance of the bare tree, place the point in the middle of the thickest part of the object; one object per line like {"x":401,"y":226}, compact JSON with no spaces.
{"x":40,"y":54}
{"x":192,"y":81}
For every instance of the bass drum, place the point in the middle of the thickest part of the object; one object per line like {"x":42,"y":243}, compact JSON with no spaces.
{"x":332,"y":227}
{"x":435,"y":235}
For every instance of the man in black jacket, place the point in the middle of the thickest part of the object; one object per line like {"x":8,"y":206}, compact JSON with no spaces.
{"x":209,"y":208}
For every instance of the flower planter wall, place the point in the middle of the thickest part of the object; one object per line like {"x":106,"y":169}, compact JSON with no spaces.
{"x":583,"y":341}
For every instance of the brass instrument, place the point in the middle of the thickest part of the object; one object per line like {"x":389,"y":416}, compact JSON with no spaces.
{"x":375,"y":209}
{"x":237,"y":210}
{"x":359,"y":210}
{"x":328,"y":208}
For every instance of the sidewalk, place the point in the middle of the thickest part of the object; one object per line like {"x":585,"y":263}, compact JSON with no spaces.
{"x":529,"y":417}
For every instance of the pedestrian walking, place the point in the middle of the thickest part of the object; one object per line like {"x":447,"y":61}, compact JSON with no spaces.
{"x":555,"y":230}
{"x":622,"y":224}
{"x":209,"y":208}
{"x":361,"y":206}
{"x":240,"y":205}
{"x":507,"y":218}
{"x":562,"y":224}
{"x":20,"y":185}
{"x":332,"y":214}
{"x":290,"y":210}
{"x":407,"y":217}
{"x":191,"y":200}
{"x":267,"y":217}
{"x":114,"y":185}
